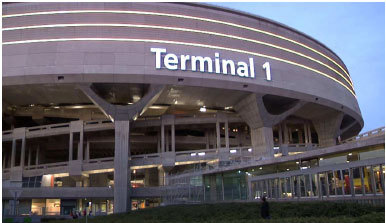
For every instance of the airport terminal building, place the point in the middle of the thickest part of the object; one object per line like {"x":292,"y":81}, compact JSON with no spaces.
{"x":113,"y":107}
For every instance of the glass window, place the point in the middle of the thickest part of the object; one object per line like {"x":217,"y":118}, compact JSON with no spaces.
{"x":282,"y":186}
{"x":378,"y":179}
{"x":295,"y":186}
{"x":322,"y":178}
{"x":368,"y":180}
{"x":288,"y":187}
{"x":315,"y":186}
{"x":331,"y":183}
{"x":265,"y":192}
{"x":302,"y":186}
{"x":308,"y":185}
{"x":357,"y":180}
{"x":346,"y":180}
{"x":338,"y":178}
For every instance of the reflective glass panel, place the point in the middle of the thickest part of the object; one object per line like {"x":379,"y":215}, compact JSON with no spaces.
{"x":357,"y":180}
{"x":368,"y":180}
{"x":347,"y":184}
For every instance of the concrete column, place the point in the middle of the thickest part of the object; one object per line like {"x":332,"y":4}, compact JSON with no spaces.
{"x":218,"y":142}
{"x":286,"y":139}
{"x":22,"y":155}
{"x":80,"y":146}
{"x":309,"y":133}
{"x":327,"y":127}
{"x":173,"y":133}
{"x":161,"y":176}
{"x":37,"y":155}
{"x":300,"y":136}
{"x":226,"y":134}
{"x":167,"y":140}
{"x":4,"y":158}
{"x":87,"y":154}
{"x":207,"y":139}
{"x":29,"y":156}
{"x":306,"y":134}
{"x":13,"y":155}
{"x":163,"y":138}
{"x":121,"y":173}
{"x":290,"y":135}
{"x":158,"y":142}
{"x":71,"y":145}
{"x":280,"y":135}
{"x":262,"y":142}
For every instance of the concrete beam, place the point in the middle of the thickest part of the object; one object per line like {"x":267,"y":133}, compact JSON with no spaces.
{"x":327,"y":128}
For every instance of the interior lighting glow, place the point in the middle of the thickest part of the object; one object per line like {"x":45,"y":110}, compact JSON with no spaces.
{"x":297,"y":162}
{"x":193,"y":154}
{"x":232,"y":151}
{"x":350,"y":154}
{"x":185,"y":17}
{"x":261,"y":168}
{"x":183,"y":43}
{"x":203,"y":109}
{"x":201,"y":154}
{"x":250,"y":150}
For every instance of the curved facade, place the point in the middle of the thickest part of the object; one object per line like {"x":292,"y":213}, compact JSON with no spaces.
{"x":173,"y":79}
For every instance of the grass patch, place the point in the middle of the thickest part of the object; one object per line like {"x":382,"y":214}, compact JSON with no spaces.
{"x":299,"y":212}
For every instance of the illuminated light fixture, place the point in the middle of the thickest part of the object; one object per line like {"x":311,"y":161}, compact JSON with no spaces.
{"x":350,"y":154}
{"x":129,"y":103}
{"x":232,"y":151}
{"x":347,"y":161}
{"x":77,"y":106}
{"x":181,"y":16}
{"x":261,"y":168}
{"x":201,"y":154}
{"x":175,"y":102}
{"x":303,"y":168}
{"x":56,"y":107}
{"x":297,"y":162}
{"x":239,"y":171}
{"x":134,"y":171}
{"x":31,"y":105}
{"x":287,"y":169}
{"x":183,"y":43}
{"x":250,"y":150}
{"x":193,"y":154}
{"x":203,"y":109}
{"x":276,"y":147}
{"x":253,"y":170}
{"x":228,"y":107}
{"x":321,"y":158}
{"x":136,"y":98}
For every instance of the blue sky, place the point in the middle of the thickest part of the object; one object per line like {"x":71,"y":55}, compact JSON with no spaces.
{"x":354,"y":31}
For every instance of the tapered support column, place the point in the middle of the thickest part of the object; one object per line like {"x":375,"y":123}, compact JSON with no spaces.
{"x":173,"y":138}
{"x":71,"y":147}
{"x":80,"y":146}
{"x":218,"y":139}
{"x":286,"y":139}
{"x":13,"y":155}
{"x":262,"y":141}
{"x":305,"y":134}
{"x":29,"y":156}
{"x":87,"y":154}
{"x":121,"y":173}
{"x":226,"y":135}
{"x":37,"y":156}
{"x":327,"y":127}
{"x":22,"y":155}
{"x":162,"y":137}
{"x":4,"y":159}
{"x":280,"y":135}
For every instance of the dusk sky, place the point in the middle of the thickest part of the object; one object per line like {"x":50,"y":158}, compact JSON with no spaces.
{"x":354,"y":31}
